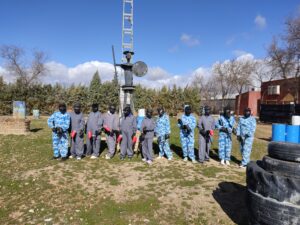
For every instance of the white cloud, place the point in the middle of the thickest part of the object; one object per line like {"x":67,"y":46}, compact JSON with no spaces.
{"x":6,"y":76}
{"x":157,"y":73}
{"x":82,"y":74}
{"x":245,"y":57}
{"x":260,"y":21}
{"x":189,"y":40}
{"x":238,"y":52}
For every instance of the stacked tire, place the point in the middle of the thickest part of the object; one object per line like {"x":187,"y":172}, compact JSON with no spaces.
{"x":273,"y":184}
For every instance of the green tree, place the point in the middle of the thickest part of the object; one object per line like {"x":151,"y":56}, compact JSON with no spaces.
{"x":95,"y":94}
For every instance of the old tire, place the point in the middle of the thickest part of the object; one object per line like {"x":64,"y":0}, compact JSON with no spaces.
{"x":284,"y":151}
{"x":291,"y":169}
{"x":272,"y":185}
{"x":268,"y":211}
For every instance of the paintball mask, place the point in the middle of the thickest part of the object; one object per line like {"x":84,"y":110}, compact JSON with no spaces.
{"x":112,"y":109}
{"x":62,"y":107}
{"x":187,"y":110}
{"x":247,"y":112}
{"x":77,"y":107}
{"x":95,"y":107}
{"x":149,"y":113}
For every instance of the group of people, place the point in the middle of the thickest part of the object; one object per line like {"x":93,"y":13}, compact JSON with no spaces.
{"x":126,"y":131}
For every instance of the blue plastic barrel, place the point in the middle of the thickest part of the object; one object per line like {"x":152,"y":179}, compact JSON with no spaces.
{"x":292,"y":134}
{"x":278,"y":132}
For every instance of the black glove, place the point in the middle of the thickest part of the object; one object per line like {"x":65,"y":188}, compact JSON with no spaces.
{"x":202,"y":131}
{"x":223,"y":129}
{"x":142,"y":137}
{"x":167,"y":136}
{"x":59,"y":130}
{"x":239,"y":139}
{"x":247,"y":135}
{"x":180,"y":122}
{"x":207,"y":133}
{"x":184,"y":127}
{"x":159,"y":139}
{"x":54,"y":129}
{"x":145,"y":130}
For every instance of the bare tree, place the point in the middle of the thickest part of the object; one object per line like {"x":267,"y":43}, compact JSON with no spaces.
{"x":241,"y":77}
{"x":281,"y":59}
{"x":221,"y":72}
{"x":293,"y":34}
{"x":27,"y":73}
{"x":285,"y":60}
{"x":262,"y":72}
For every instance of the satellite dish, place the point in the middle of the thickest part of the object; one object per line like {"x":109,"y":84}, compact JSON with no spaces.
{"x":139,"y":69}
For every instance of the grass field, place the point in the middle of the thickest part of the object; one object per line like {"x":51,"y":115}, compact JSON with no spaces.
{"x":37,"y":190}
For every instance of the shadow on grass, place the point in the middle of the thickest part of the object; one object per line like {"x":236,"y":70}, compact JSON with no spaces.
{"x":177,"y":150}
{"x":34,"y":130}
{"x":265,"y":139}
{"x":232,"y":199}
{"x":155,"y":148}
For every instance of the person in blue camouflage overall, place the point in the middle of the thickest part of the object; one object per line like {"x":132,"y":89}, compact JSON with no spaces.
{"x":163,"y":131}
{"x":187,"y":125}
{"x":245,"y":135}
{"x":59,"y":122}
{"x":225,"y":126}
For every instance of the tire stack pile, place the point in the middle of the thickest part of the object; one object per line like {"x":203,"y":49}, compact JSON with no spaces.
{"x":273,"y":184}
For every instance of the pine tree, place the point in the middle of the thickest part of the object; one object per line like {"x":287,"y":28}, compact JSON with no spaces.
{"x":95,"y":92}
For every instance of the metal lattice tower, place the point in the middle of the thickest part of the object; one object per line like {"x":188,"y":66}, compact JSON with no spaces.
{"x":127,"y":29}
{"x":127,"y":44}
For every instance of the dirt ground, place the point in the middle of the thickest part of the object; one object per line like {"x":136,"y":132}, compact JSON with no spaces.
{"x":37,"y":190}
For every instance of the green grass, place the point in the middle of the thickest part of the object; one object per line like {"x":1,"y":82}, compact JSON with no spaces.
{"x":37,"y":190}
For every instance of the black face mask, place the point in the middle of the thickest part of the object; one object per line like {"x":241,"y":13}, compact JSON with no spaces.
{"x":77,"y":109}
{"x":207,"y":112}
{"x":161,"y":112}
{"x":187,"y":111}
{"x":126,"y":112}
{"x":247,"y":114}
{"x":95,"y":109}
{"x":149,"y":115}
{"x":227,"y":113}
{"x":62,"y":109}
{"x":112,"y":110}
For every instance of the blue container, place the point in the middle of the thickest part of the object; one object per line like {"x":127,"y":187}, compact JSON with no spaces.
{"x":278,"y":132}
{"x":292,"y":133}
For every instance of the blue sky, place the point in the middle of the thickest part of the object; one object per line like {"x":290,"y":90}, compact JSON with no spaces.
{"x":176,"y":36}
